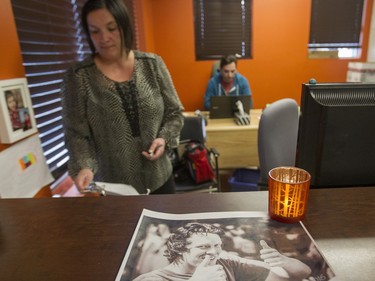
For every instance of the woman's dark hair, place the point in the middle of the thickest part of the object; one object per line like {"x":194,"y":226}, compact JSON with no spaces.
{"x":177,"y":242}
{"x":228,"y":59}
{"x":121,"y":15}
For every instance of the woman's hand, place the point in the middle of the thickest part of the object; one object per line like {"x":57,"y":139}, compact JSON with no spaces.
{"x":156,"y":149}
{"x":83,"y":179}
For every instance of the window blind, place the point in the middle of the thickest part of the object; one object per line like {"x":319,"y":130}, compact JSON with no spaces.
{"x":336,"y":23}
{"x":222,"y":27}
{"x":51,"y":41}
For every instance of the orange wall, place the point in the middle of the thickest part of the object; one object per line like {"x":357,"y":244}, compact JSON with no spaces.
{"x":146,"y":15}
{"x":10,"y":54}
{"x":278,"y":67}
{"x":279,"y":64}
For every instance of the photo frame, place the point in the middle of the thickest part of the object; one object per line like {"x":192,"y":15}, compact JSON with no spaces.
{"x":16,"y":113}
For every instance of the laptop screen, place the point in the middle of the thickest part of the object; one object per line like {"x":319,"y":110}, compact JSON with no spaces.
{"x":225,"y":106}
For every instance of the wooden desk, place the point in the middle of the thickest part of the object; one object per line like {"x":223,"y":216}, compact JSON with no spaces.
{"x":237,"y":145}
{"x":86,"y":238}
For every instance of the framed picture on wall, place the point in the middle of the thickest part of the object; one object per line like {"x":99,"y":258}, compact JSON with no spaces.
{"x":16,"y":113}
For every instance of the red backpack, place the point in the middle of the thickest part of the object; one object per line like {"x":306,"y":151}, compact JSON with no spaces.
{"x":198,"y":162}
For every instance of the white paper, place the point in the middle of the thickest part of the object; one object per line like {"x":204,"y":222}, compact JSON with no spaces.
{"x":24,"y":170}
{"x":243,"y":234}
{"x":117,"y":188}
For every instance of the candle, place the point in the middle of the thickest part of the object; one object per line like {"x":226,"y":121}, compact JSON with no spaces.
{"x":288,"y":193}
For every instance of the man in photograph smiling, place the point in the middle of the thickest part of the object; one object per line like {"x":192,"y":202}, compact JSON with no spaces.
{"x":195,"y":253}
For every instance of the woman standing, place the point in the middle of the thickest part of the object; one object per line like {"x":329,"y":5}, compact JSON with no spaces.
{"x":121,"y":111}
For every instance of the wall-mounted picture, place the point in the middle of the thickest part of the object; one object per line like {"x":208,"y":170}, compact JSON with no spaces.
{"x":16,"y":113}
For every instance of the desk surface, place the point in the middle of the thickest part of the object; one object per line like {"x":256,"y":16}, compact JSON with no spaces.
{"x":86,"y":238}
{"x":228,"y":124}
{"x":237,"y":145}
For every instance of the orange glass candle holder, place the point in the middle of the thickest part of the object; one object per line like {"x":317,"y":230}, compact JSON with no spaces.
{"x":288,"y":193}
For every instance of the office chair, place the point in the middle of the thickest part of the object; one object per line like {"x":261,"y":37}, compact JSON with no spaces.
{"x":194,"y":130}
{"x":215,"y":68}
{"x":277,"y":137}
{"x":277,"y":142}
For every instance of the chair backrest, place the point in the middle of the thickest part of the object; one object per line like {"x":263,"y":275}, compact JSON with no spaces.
{"x":277,"y":136}
{"x":193,"y":129}
{"x":215,"y":68}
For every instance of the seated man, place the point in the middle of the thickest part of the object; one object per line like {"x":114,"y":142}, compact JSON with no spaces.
{"x":195,"y":253}
{"x":227,"y":81}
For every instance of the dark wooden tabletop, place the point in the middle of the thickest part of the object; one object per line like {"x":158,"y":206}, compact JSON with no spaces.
{"x":86,"y":238}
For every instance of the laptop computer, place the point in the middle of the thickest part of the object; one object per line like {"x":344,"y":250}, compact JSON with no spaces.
{"x":225,"y":106}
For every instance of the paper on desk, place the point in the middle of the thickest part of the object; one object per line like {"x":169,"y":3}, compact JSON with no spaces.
{"x":24,"y":170}
{"x":243,"y":234}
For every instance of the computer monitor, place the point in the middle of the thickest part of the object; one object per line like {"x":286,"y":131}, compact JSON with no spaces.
{"x":225,"y":106}
{"x":336,"y":138}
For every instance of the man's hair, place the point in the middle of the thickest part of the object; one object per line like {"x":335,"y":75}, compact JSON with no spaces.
{"x":177,"y":242}
{"x":227,"y":59}
{"x":121,"y":15}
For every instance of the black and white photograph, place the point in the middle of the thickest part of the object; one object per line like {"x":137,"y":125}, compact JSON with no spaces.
{"x":223,"y":246}
{"x":16,"y":113}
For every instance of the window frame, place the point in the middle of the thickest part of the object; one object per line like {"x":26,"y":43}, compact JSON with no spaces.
{"x":221,"y":27}
{"x":336,"y":33}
